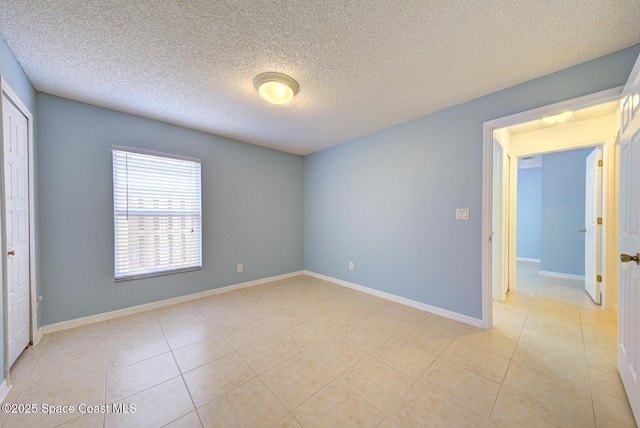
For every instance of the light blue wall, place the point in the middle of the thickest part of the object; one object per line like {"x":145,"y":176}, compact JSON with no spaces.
{"x":563,"y":197}
{"x":529,"y":210}
{"x":252,"y":200}
{"x":387,"y":201}
{"x":12,"y":72}
{"x":17,"y":80}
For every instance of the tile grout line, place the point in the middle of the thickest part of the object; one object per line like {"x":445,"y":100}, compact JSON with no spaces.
{"x":164,"y":335}
{"x":529,"y":306}
{"x":584,"y":349}
{"x":106,"y":373}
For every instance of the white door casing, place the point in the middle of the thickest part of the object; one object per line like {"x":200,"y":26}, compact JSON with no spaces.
{"x":629,"y":240}
{"x":593,"y":232}
{"x":510,"y":169}
{"x":16,"y":179}
{"x":497,"y":236}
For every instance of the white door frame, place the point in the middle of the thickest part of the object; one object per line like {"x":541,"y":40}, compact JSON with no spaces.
{"x":487,"y":167}
{"x":34,"y":332}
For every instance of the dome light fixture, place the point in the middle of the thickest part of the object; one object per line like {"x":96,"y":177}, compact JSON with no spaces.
{"x":277,"y":88}
{"x":557,"y":118}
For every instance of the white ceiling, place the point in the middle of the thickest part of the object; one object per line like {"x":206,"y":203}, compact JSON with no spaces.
{"x":362,"y":66}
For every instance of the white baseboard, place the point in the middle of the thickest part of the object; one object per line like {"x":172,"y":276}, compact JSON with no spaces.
{"x":105,"y":316}
{"x":4,"y":390}
{"x":527,"y":259}
{"x":561,"y":275}
{"x":78,"y":322}
{"x":392,"y":297}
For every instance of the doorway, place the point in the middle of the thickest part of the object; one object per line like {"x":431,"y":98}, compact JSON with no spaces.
{"x":559,"y":203}
{"x":521,"y":147}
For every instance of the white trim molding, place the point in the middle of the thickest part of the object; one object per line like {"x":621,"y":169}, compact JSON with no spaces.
{"x":78,"y":322}
{"x":561,"y":275}
{"x":392,"y":297}
{"x":38,"y":336}
{"x":105,"y":316}
{"x":4,"y":390}
{"x":527,"y":259}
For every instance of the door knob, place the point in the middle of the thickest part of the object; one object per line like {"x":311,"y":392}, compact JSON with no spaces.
{"x":12,"y":253}
{"x":624,"y":258}
{"x":583,"y":230}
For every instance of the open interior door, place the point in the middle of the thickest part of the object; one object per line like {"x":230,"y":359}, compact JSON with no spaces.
{"x":629,"y":241}
{"x":593,"y":232}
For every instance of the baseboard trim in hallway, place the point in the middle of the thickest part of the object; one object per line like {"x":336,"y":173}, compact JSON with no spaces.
{"x":561,"y":275}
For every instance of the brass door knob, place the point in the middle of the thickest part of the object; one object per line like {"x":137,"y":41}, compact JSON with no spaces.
{"x":624,"y":258}
{"x":12,"y":253}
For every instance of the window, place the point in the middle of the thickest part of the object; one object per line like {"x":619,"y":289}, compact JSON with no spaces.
{"x":156,"y":212}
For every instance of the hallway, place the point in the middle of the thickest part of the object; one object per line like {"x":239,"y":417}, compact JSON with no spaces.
{"x":565,"y":360}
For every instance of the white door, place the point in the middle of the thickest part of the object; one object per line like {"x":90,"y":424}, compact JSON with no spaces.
{"x":498,"y":264}
{"x":17,"y":233}
{"x":629,"y":241}
{"x":593,"y":211}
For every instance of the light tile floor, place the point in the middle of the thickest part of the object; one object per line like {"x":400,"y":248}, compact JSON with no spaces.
{"x":303,"y":352}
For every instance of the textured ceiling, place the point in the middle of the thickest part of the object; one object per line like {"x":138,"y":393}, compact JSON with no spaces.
{"x":362,"y":66}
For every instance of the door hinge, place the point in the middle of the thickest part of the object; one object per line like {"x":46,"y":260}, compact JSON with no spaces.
{"x":599,"y":220}
{"x":598,"y":278}
{"x":600,"y":163}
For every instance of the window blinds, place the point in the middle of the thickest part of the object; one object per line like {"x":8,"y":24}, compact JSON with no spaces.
{"x":157,"y":213}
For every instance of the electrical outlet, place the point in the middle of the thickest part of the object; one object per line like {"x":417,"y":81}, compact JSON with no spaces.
{"x":462,"y":213}
{"x":240,"y":268}
{"x":350,"y":265}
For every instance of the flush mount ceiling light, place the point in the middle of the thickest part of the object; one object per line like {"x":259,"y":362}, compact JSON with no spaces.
{"x":277,"y":88}
{"x":557,"y":118}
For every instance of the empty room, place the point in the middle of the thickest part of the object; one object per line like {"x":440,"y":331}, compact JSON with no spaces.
{"x":303,"y":214}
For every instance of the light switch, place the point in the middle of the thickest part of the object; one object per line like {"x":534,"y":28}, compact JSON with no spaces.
{"x":462,"y":213}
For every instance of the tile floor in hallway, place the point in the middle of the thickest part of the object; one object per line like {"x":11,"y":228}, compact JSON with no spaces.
{"x":304,"y":352}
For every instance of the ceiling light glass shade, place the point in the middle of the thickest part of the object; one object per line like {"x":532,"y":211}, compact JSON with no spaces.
{"x":277,"y":88}
{"x":557,"y":118}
